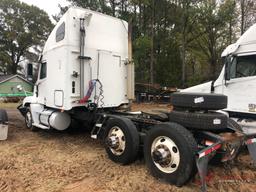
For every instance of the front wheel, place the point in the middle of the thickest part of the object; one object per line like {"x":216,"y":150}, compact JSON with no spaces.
{"x":169,"y":151}
{"x":29,"y":120}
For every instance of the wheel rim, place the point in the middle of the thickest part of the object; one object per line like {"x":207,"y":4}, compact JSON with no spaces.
{"x":116,"y":140}
{"x":28,"y":119}
{"x":165,"y":154}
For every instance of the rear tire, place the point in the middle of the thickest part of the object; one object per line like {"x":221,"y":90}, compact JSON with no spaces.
{"x":178,"y":145}
{"x":121,"y":140}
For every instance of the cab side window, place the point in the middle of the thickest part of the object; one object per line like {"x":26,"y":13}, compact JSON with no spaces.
{"x":43,"y":71}
{"x":60,"y":33}
{"x":233,"y":68}
{"x":243,"y":66}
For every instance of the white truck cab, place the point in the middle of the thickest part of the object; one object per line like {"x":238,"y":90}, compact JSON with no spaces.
{"x":237,"y":79}
{"x":84,"y":61}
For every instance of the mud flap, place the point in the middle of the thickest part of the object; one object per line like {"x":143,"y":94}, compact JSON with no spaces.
{"x":202,"y":167}
{"x":202,"y":159}
{"x":251,"y":145}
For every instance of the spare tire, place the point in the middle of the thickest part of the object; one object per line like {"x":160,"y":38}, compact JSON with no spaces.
{"x":205,"y":101}
{"x":211,"y":121}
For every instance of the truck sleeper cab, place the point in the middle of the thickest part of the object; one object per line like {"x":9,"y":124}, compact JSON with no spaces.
{"x":84,"y":61}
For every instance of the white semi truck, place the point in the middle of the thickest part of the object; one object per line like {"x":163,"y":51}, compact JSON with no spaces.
{"x":237,"y":80}
{"x":86,"y":75}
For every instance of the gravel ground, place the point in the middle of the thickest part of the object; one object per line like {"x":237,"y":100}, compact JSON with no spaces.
{"x":73,"y":162}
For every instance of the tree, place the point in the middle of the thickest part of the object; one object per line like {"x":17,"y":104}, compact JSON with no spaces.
{"x":23,"y":29}
{"x":247,"y":14}
{"x":189,"y":15}
{"x":63,"y":9}
{"x":95,"y":5}
{"x":215,"y":22}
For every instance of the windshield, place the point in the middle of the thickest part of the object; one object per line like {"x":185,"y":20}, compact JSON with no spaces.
{"x":243,"y":66}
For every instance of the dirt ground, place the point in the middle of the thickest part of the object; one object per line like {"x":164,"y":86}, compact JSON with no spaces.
{"x":47,"y":161}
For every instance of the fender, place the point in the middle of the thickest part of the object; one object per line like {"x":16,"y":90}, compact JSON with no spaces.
{"x":28,"y":100}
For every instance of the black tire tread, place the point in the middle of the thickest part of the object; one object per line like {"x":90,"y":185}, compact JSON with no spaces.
{"x":212,"y":101}
{"x":187,"y":139}
{"x":32,"y":128}
{"x":129,"y":157}
{"x":200,"y":121}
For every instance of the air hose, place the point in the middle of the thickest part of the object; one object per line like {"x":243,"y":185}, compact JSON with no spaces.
{"x":92,"y":85}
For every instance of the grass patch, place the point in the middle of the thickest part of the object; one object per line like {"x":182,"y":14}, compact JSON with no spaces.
{"x":9,"y":105}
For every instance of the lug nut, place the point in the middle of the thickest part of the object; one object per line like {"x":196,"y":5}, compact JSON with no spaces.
{"x":113,"y":142}
{"x":157,"y":156}
{"x":161,"y":156}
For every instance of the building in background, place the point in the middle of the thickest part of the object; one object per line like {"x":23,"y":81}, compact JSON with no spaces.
{"x":15,"y":86}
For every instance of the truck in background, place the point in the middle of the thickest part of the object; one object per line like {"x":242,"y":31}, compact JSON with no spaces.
{"x":237,"y":80}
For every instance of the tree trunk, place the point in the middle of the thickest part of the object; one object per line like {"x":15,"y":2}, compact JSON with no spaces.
{"x":230,"y":31}
{"x":213,"y":58}
{"x":183,"y":60}
{"x":152,"y":44}
{"x":242,"y":4}
{"x":213,"y":68}
{"x":113,"y":7}
{"x":14,"y":69}
{"x":183,"y":44}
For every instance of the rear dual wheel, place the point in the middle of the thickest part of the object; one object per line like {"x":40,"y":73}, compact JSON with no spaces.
{"x":121,"y":140}
{"x":169,"y":151}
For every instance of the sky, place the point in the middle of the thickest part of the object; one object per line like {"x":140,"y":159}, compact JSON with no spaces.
{"x":50,"y":6}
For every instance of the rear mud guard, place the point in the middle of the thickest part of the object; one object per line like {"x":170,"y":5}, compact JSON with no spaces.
{"x":204,"y":156}
{"x":202,"y":159}
{"x":251,"y":145}
{"x":22,"y":109}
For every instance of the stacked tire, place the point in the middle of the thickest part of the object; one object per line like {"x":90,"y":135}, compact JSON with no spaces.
{"x":197,"y":111}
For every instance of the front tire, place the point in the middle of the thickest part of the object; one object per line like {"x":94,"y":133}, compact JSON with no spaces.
{"x":29,"y":121}
{"x":169,"y":151}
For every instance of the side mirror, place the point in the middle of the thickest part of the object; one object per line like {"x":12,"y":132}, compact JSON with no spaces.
{"x":30,"y":71}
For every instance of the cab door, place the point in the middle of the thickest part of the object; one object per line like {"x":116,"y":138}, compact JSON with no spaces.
{"x":240,"y":87}
{"x":41,"y":83}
